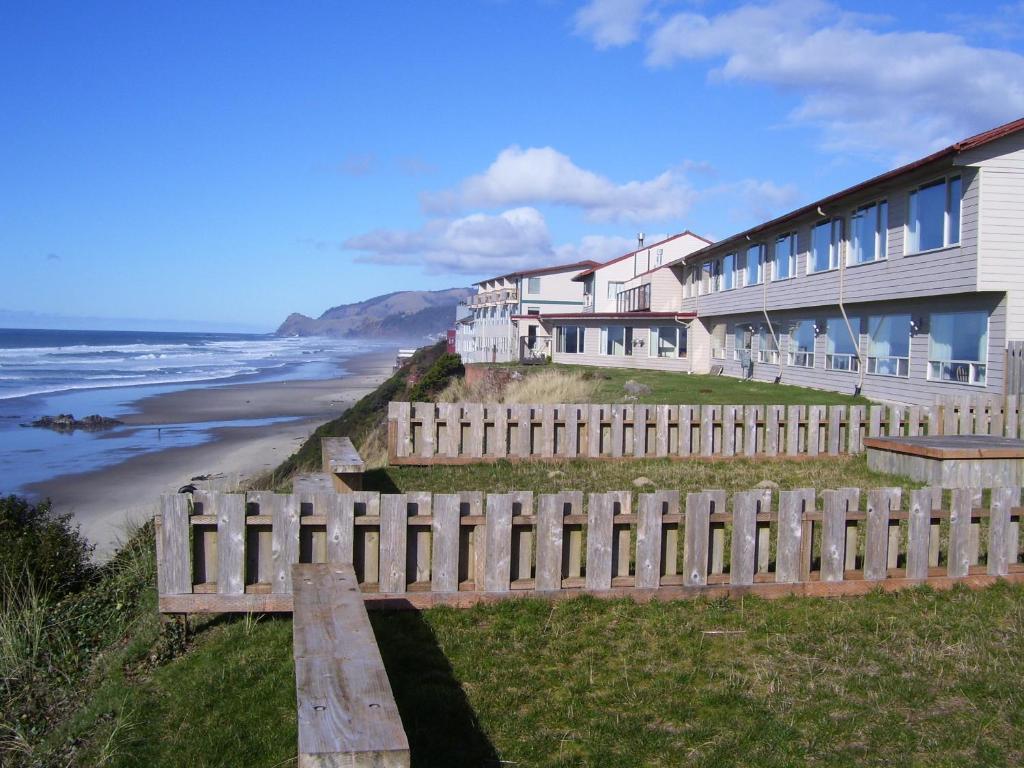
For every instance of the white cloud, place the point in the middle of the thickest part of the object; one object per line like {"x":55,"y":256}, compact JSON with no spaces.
{"x":754,"y":199}
{"x":595,"y":248}
{"x":543,"y":175}
{"x":479,"y":243}
{"x":610,"y":23}
{"x":870,"y":91}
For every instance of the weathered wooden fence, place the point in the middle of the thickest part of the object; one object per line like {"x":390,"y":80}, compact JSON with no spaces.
{"x":454,"y":433}
{"x":1014,"y":368}
{"x":234,"y":552}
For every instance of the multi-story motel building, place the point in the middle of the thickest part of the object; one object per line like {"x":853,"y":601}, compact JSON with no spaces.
{"x":904,"y":287}
{"x":500,"y":323}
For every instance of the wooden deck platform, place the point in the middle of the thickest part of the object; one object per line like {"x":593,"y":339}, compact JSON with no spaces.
{"x":950,"y":461}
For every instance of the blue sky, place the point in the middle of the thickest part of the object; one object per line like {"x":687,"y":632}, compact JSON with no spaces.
{"x":223,"y":164}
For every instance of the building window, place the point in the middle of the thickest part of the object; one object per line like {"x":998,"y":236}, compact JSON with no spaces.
{"x":755,"y":264}
{"x":784,"y":261}
{"x":889,"y":345}
{"x":840,"y":348}
{"x":613,"y":288}
{"x":533,"y":285}
{"x":729,"y":272}
{"x":933,"y":215}
{"x":616,"y":340}
{"x":668,"y":341}
{"x":869,"y":228}
{"x":533,"y":311}
{"x":801,"y":344}
{"x":958,"y":347}
{"x":718,"y":341}
{"x":570,"y":339}
{"x":826,"y":239}
{"x":767,"y":345}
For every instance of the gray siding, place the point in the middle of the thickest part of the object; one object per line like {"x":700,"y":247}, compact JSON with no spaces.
{"x":916,"y":388}
{"x":1001,"y":224}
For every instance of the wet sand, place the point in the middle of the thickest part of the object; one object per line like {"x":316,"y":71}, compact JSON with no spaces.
{"x":107,"y":502}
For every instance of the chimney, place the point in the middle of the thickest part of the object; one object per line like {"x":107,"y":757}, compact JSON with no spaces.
{"x":639,"y":240}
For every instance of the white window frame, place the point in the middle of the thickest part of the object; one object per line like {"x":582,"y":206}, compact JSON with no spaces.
{"x":972,"y":366}
{"x":581,"y":335}
{"x":730,"y":274}
{"x":834,"y":247}
{"x":613,"y":288}
{"x":852,"y":360}
{"x":530,"y":282}
{"x":947,"y":218}
{"x":653,"y":339}
{"x":766,"y":355}
{"x":791,"y":237}
{"x":799,"y":359}
{"x":627,"y":341}
{"x":881,"y":233}
{"x":902,"y":363}
{"x":718,"y":353}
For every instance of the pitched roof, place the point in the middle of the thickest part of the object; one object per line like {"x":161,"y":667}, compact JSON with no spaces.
{"x":624,"y":256}
{"x":585,"y":264}
{"x":972,"y":142}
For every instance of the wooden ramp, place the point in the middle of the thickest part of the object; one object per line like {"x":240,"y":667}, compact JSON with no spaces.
{"x":347,"y":712}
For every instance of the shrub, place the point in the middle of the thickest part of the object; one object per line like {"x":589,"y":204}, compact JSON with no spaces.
{"x":445,"y":368}
{"x":44,"y":547}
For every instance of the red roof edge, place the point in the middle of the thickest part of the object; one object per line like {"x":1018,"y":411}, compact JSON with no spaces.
{"x":585,"y":264}
{"x":605,"y":316}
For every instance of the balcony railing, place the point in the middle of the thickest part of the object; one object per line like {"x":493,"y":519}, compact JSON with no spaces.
{"x":504,"y":296}
{"x":634,"y":299}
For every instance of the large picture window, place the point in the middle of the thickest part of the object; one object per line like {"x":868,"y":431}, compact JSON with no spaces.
{"x":767,"y":345}
{"x":613,"y":288}
{"x":729,"y":272}
{"x":533,"y":285}
{"x":889,"y":345}
{"x":826,"y":239}
{"x":668,"y":341}
{"x":616,"y":340}
{"x":869,"y":228}
{"x":801,"y":344}
{"x":570,"y":339}
{"x":755,"y":265}
{"x":718,"y":332}
{"x":784,"y":261}
{"x":958,"y":347}
{"x":840,"y":347}
{"x":933,"y":215}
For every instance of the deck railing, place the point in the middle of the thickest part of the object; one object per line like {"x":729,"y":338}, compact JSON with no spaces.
{"x":454,"y":433}
{"x":234,"y":552}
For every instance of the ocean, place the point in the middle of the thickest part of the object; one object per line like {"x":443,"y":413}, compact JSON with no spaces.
{"x":46,"y":372}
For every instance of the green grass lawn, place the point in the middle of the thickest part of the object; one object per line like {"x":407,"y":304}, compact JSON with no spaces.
{"x":663,"y":474}
{"x":915,"y":678}
{"x":695,"y":389}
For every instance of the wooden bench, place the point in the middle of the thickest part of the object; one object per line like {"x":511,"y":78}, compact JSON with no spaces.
{"x":343,"y":463}
{"x":347,"y":712}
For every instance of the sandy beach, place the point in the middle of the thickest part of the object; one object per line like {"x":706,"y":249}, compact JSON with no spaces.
{"x":107,"y":502}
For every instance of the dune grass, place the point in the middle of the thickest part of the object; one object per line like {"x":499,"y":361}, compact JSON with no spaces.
{"x":666,"y":387}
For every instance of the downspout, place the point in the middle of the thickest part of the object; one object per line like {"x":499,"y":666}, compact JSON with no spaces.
{"x":764,"y":311}
{"x":855,"y":338}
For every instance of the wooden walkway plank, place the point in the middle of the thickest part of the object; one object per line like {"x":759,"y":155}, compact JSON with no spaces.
{"x":347,"y":715}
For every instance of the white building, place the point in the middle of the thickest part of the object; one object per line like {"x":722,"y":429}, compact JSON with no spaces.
{"x":500,"y":325}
